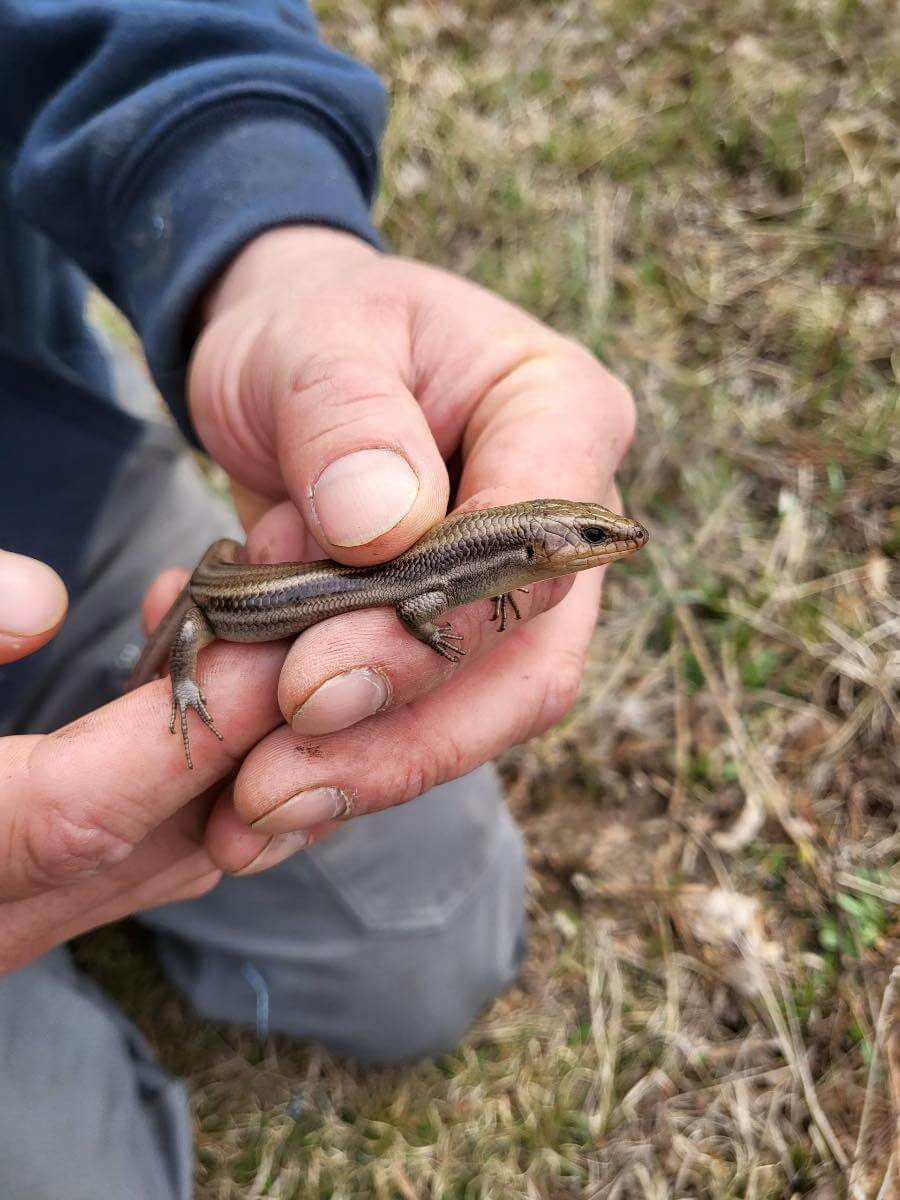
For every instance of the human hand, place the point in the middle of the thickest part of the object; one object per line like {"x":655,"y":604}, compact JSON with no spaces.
{"x":333,"y":383}
{"x":99,"y":819}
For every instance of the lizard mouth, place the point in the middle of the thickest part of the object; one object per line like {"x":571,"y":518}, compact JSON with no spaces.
{"x":614,"y":551}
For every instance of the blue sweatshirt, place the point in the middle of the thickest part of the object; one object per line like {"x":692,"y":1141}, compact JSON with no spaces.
{"x":142,"y":143}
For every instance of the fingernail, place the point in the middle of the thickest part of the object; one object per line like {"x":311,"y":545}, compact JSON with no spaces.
{"x":304,"y":810}
{"x":341,"y":701}
{"x":364,"y":494}
{"x":32,"y":596}
{"x":276,"y":850}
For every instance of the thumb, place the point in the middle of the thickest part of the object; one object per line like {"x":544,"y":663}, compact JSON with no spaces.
{"x":33,"y":603}
{"x":304,"y":390}
{"x":358,"y":458}
{"x":348,"y":441}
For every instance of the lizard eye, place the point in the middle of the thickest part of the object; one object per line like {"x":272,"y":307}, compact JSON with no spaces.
{"x":529,"y":552}
{"x":593,"y":534}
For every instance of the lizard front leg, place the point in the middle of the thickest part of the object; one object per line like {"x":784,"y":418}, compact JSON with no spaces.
{"x":500,"y":603}
{"x":193,"y":634}
{"x":417,"y":615}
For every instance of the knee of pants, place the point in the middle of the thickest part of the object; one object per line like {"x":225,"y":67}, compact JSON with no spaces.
{"x":393,"y":996}
{"x":407,"y":1001}
{"x":380,"y":1000}
{"x":337,"y":950}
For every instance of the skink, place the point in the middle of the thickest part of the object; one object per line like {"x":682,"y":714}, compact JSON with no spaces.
{"x":484,"y":554}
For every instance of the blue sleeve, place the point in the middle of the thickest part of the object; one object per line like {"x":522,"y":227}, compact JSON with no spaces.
{"x":151,"y":139}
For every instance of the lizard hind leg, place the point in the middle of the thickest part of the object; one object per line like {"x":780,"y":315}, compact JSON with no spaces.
{"x":418,"y":613}
{"x":193,"y":634}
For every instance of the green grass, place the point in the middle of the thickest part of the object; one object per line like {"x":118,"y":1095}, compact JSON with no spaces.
{"x":706,"y":195}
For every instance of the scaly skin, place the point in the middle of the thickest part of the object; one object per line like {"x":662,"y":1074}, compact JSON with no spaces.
{"x":488,"y":553}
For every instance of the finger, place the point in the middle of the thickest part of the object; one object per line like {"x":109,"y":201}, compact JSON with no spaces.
{"x":281,"y":536}
{"x":161,"y":595}
{"x":33,"y":926}
{"x":289,"y":784}
{"x":556,"y":426}
{"x":230,"y":843}
{"x":171,"y":864}
{"x":533,"y":412}
{"x":33,"y":602}
{"x":238,"y":850}
{"x":170,"y":859}
{"x":357,"y":455}
{"x":250,"y":506}
{"x":356,"y":665}
{"x":58,"y":830}
{"x":353,"y":447}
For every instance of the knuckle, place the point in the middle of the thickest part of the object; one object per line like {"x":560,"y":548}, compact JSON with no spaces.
{"x":324,"y":376}
{"x":61,"y":847}
{"x":348,"y":412}
{"x":620,"y":399}
{"x":417,"y":777}
{"x":335,"y":395}
{"x":613,"y":395}
{"x":559,"y":691}
{"x":309,"y":381}
{"x":429,"y":766}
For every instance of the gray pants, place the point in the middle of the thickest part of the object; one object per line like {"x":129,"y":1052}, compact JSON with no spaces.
{"x":382,"y":943}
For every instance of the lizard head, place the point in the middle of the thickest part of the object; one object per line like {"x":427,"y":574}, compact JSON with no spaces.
{"x":567,"y":535}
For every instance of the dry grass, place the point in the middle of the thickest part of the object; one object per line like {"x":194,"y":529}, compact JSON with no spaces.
{"x":707,"y":194}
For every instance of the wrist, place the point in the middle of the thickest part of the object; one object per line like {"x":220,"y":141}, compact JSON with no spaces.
{"x":277,"y":259}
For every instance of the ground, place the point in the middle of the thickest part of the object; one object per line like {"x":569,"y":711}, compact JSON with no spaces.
{"x":707,"y":195}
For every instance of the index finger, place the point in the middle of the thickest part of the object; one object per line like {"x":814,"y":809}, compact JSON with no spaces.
{"x":93,"y":790}
{"x":533,"y":412}
{"x":556,"y":426}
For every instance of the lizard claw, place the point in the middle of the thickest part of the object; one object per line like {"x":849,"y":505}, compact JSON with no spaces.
{"x":187,"y":694}
{"x":445,"y":642}
{"x":447,"y":633}
{"x":500,"y":605}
